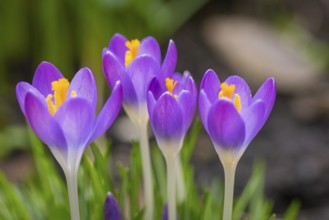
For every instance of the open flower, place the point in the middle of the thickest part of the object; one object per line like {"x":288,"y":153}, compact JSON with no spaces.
{"x":62,"y":114}
{"x":135,"y":63}
{"x":230,"y":115}
{"x":171,"y":106}
{"x":232,"y":118}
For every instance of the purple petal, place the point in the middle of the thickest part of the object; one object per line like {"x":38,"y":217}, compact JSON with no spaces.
{"x":150,"y":46}
{"x":167,"y":119}
{"x":129,"y":91}
{"x":190,"y":84}
{"x":113,"y":69}
{"x":84,"y":85}
{"x":254,"y":120}
{"x":108,"y":113}
{"x":187,"y":102}
{"x":118,"y":47}
{"x":169,"y":63}
{"x":267,"y":93}
{"x":150,"y":103}
{"x":211,"y":85}
{"x":225,"y":125}
{"x":141,"y":71}
{"x":22,"y":89}
{"x":43,"y":124}
{"x":111,"y":208}
{"x":156,"y":88}
{"x":204,"y":106}
{"x":241,"y":88}
{"x":76,"y":118}
{"x":45,"y":74}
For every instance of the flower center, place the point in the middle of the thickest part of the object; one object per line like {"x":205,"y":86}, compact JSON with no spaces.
{"x":132,"y":51}
{"x":170,"y":85}
{"x":227,"y":91}
{"x":60,"y":89}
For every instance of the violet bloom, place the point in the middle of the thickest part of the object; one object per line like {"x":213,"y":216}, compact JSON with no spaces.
{"x":230,"y":115}
{"x":135,"y":63}
{"x":232,"y":118}
{"x":112,"y":209}
{"x":62,"y":114}
{"x":171,"y":106}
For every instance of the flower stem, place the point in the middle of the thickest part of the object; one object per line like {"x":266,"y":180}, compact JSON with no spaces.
{"x":72,"y":187}
{"x":147,"y":172}
{"x":180,"y":180}
{"x":229,"y":173}
{"x":171,"y":186}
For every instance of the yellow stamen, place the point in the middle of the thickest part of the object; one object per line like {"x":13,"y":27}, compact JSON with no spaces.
{"x":170,"y":84}
{"x":60,"y":89}
{"x":227,"y":91}
{"x":237,"y":102}
{"x":133,"y":47}
{"x":51,"y":106}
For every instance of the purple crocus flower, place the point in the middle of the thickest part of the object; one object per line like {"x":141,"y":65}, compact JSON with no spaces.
{"x":230,"y":115}
{"x":171,"y":106}
{"x":62,"y":114}
{"x":112,"y":209}
{"x":135,"y":63}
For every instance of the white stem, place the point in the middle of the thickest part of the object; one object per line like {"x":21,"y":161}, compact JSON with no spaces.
{"x":180,"y":180}
{"x":147,"y":172}
{"x":229,"y":173}
{"x":171,"y":186}
{"x":72,"y":187}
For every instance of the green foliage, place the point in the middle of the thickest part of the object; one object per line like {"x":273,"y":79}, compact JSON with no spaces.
{"x":44,"y":194}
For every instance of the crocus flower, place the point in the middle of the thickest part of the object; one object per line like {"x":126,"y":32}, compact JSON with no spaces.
{"x":62,"y":114}
{"x":112,"y":209}
{"x":229,"y":113}
{"x":232,"y":118}
{"x":135,"y":63}
{"x":171,"y":106}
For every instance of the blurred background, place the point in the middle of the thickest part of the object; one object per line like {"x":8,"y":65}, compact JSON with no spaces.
{"x":255,"y":39}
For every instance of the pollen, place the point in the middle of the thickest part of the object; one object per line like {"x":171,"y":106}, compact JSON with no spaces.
{"x":132,"y":51}
{"x":237,"y":102}
{"x":60,"y":89}
{"x":227,"y":91}
{"x":170,"y":84}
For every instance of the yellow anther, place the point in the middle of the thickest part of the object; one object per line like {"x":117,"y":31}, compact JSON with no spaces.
{"x":133,"y":47}
{"x":51,"y":106}
{"x":237,"y":102}
{"x":170,"y":84}
{"x":227,"y":91}
{"x":60,"y":89}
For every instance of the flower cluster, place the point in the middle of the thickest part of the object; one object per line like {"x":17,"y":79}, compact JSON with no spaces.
{"x":63,"y":114}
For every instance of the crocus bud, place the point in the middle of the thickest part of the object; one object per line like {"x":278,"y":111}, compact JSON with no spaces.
{"x":112,"y":209}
